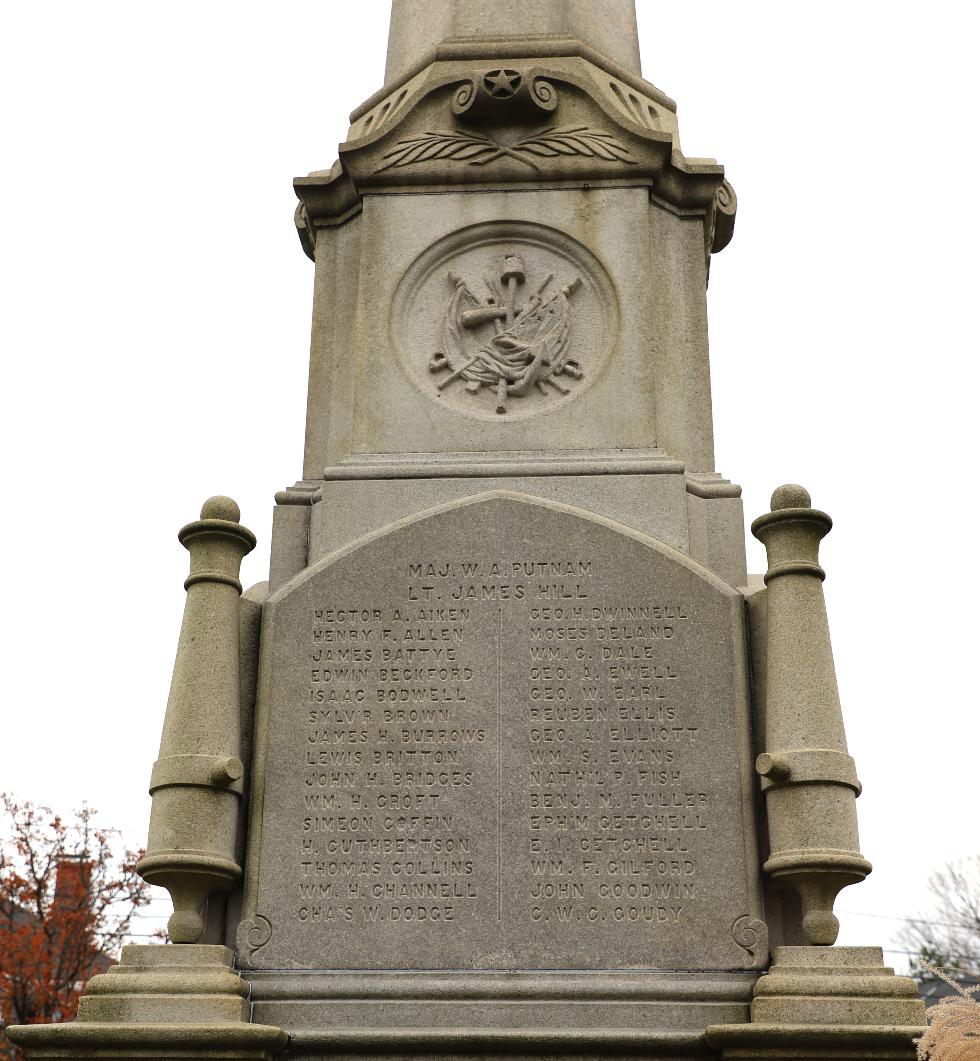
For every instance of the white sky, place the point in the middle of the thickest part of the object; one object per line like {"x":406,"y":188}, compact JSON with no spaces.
{"x":155,"y":328}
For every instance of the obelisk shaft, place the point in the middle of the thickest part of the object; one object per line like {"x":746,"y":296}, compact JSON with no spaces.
{"x":417,"y":26}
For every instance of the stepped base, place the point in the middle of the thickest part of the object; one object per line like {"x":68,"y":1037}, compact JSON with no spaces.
{"x":827,"y":1002}
{"x":492,"y":1044}
{"x":540,"y":1015}
{"x":171,"y":1003}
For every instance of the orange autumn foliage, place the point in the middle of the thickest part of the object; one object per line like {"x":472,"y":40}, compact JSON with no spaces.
{"x":66,"y":905}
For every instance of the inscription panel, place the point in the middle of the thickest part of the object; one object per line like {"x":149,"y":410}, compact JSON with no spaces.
{"x":502,"y":736}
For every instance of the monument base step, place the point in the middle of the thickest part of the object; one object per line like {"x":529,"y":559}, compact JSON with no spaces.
{"x":160,"y":1003}
{"x":817,"y":1003}
{"x":629,"y":1013}
{"x":149,"y":1042}
{"x":803,"y":1042}
{"x":484,"y":1044}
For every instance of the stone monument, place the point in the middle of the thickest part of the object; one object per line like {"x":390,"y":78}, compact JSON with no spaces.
{"x":509,"y":756}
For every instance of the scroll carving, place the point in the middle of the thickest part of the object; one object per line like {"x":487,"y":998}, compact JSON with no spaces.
{"x":752,"y":935}
{"x":505,"y":95}
{"x":723,"y":218}
{"x":253,"y":935}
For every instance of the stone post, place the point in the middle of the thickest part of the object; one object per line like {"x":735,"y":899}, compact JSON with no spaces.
{"x":197,"y":780}
{"x":809,"y":779}
{"x":184,"y":1002}
{"x":819,"y":1000}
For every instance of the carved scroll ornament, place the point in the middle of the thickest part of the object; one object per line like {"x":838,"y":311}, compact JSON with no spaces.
{"x":253,"y":935}
{"x":752,"y":935}
{"x":505,"y":94}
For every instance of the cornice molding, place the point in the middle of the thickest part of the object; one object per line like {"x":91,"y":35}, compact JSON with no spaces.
{"x":525,"y":114}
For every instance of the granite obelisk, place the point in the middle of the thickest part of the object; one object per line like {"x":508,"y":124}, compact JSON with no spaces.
{"x":510,"y":755}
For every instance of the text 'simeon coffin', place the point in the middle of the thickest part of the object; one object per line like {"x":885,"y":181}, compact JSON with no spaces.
{"x":509,"y":756}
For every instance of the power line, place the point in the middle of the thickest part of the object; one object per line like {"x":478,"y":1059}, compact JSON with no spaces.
{"x":915,"y":920}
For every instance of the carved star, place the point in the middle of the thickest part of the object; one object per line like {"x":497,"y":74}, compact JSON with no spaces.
{"x":502,"y":82}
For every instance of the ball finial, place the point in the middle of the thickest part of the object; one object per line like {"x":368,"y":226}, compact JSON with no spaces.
{"x":221,"y":508}
{"x":821,"y":928}
{"x":790,"y":496}
{"x":186,"y":926}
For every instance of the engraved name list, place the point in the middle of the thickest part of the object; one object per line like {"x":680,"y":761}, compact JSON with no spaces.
{"x":515,"y":755}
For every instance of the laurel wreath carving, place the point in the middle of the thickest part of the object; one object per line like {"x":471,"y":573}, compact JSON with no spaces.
{"x":482,"y":150}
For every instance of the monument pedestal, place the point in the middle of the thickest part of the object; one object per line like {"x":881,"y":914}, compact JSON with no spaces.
{"x":176,"y":1003}
{"x":488,"y":778}
{"x":826,"y":1002}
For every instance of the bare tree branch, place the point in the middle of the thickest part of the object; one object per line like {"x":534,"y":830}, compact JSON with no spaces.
{"x":948,"y":935}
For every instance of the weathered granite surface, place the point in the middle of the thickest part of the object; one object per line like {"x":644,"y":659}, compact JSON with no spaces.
{"x":609,"y":26}
{"x":834,"y":1002}
{"x":164,"y":1003}
{"x":521,"y":189}
{"x":520,"y":750}
{"x":198,"y":781}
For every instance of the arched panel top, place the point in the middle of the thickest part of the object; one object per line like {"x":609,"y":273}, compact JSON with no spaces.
{"x":509,"y":501}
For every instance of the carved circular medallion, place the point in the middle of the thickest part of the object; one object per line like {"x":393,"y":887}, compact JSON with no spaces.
{"x":505,"y":320}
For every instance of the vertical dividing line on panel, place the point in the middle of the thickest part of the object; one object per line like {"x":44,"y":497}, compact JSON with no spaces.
{"x":500,"y":785}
